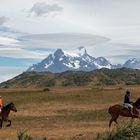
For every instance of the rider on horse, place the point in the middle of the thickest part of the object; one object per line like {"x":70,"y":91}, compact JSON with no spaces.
{"x":1,"y":103}
{"x":118,"y":110}
{"x":128,"y":103}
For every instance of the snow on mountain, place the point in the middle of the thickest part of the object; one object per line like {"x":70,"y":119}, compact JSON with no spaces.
{"x":62,"y":61}
{"x":132,"y":63}
{"x":101,"y":62}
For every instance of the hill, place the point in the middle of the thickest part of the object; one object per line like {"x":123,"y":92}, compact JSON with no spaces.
{"x":123,"y":76}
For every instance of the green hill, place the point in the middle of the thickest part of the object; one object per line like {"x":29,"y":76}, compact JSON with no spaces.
{"x":74,"y":78}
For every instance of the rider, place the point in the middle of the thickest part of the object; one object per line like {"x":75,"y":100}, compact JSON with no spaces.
{"x":127,"y":102}
{"x":1,"y":103}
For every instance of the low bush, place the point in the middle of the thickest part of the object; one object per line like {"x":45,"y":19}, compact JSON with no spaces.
{"x":23,"y":136}
{"x":46,"y":89}
{"x":126,"y":132}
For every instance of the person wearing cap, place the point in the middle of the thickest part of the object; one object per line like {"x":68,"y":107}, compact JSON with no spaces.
{"x":1,"y":103}
{"x":128,"y":103}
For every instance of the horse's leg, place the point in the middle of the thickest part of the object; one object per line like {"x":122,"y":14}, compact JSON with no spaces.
{"x":1,"y":122}
{"x":114,"y":118}
{"x":110,"y":122}
{"x":8,"y":125}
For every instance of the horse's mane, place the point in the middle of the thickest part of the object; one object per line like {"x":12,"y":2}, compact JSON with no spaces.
{"x":6,"y":106}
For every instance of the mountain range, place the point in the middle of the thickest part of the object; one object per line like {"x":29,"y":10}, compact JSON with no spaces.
{"x":79,"y":60}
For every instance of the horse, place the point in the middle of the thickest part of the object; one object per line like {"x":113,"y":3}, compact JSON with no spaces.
{"x":5,"y":113}
{"x":119,"y":110}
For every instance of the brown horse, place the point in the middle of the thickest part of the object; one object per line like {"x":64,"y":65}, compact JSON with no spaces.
{"x":5,"y":113}
{"x":118,"y":110}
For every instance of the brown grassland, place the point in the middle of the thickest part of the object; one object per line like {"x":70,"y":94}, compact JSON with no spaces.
{"x":62,"y":113}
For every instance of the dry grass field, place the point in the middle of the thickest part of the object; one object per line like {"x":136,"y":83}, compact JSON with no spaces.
{"x":63,"y":113}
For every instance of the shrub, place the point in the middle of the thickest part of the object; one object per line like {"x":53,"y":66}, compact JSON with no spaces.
{"x":45,"y":138}
{"x":23,"y":136}
{"x":77,"y":137}
{"x":50,"y":83}
{"x":127,"y":132}
{"x":46,"y":89}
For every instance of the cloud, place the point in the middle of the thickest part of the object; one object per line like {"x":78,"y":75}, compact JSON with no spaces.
{"x":8,"y":41}
{"x":41,"y":8}
{"x":96,"y":45}
{"x":61,"y":40}
{"x":38,"y":46}
{"x":3,"y":19}
{"x":21,"y":53}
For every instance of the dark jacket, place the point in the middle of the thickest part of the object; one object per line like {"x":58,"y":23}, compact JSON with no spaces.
{"x":127,"y":99}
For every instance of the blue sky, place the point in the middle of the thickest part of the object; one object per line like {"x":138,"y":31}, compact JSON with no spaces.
{"x":31,"y":29}
{"x":17,"y":62}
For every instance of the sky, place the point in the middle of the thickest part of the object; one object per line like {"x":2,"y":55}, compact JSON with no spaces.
{"x":32,"y":29}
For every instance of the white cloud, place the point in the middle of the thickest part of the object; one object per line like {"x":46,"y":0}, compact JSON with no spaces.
{"x":41,"y":8}
{"x":8,"y":41}
{"x":61,"y":40}
{"x":96,"y":45}
{"x":38,"y":46}
{"x":3,"y":19}
{"x":13,"y":52}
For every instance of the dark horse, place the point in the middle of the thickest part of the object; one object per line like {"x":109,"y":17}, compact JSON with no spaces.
{"x":5,"y":113}
{"x":118,"y":110}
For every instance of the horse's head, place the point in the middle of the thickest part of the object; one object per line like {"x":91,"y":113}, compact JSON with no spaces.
{"x":12,"y":107}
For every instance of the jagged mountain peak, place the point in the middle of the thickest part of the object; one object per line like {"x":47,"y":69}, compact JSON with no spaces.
{"x":62,"y":61}
{"x":133,"y":60}
{"x":58,"y":52}
{"x":82,"y":51}
{"x":132,"y":63}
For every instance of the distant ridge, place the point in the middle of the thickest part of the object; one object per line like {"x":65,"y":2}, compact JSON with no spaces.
{"x":121,"y":76}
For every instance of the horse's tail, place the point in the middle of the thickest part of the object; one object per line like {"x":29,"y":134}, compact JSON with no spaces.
{"x":109,"y":110}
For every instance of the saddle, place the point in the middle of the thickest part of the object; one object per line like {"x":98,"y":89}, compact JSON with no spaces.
{"x":135,"y":111}
{"x":125,"y":107}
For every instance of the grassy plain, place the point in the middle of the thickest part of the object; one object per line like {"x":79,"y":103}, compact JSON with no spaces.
{"x":63,"y":113}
